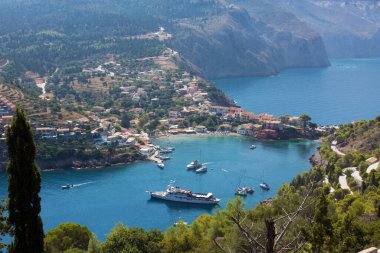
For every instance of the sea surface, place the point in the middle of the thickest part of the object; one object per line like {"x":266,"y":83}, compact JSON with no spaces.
{"x":347,"y":90}
{"x":103,"y":197}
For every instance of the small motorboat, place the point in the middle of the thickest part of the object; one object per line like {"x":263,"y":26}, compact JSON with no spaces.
{"x":202,"y":169}
{"x":163,"y":158}
{"x":160,"y":165}
{"x":264,"y":186}
{"x":67,"y":186}
{"x":249,"y":190}
{"x":241,"y":192}
{"x":194,"y":165}
{"x":252,"y":147}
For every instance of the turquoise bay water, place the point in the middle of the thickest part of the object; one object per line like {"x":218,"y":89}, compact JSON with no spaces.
{"x":347,"y":90}
{"x":112,"y":195}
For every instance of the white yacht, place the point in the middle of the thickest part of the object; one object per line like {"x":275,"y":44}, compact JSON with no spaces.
{"x":160,"y":165}
{"x":194,"y":165}
{"x":177,"y":194}
{"x":252,"y":147}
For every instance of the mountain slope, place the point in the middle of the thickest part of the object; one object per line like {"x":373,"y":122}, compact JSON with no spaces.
{"x":349,"y":28}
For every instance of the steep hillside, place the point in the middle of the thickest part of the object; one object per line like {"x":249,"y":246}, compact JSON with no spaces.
{"x":362,"y":136}
{"x":220,"y":38}
{"x":349,"y":28}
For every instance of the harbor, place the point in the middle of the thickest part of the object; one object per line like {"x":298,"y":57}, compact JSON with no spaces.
{"x":120,"y":191}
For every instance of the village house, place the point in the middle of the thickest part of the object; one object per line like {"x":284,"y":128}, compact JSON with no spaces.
{"x":248,"y":129}
{"x":64,"y":132}
{"x":295,"y":121}
{"x":200,"y":129}
{"x":46,"y":132}
{"x":272,"y":124}
{"x":174,"y":114}
{"x":164,"y":122}
{"x":222,"y":110}
{"x":225,"y":127}
{"x":173,"y":121}
{"x":137,"y":110}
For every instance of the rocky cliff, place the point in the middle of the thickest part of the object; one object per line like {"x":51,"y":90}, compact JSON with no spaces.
{"x":248,"y":38}
{"x":349,"y":28}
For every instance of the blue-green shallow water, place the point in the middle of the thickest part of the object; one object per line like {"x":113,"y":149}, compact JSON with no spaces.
{"x":118,"y":194}
{"x":347,"y":90}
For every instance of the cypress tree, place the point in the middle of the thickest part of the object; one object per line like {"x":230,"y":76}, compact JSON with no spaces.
{"x":24,"y":185}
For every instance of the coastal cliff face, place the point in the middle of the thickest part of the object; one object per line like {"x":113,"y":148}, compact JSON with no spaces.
{"x":248,"y":39}
{"x":349,"y":28}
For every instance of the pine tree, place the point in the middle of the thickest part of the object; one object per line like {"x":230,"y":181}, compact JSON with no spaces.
{"x":24,"y":185}
{"x":321,"y":229}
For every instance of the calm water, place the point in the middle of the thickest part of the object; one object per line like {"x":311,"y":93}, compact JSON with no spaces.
{"x":347,"y":90}
{"x":107,"y":196}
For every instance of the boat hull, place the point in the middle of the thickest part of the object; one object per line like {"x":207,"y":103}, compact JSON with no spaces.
{"x":163,"y":196}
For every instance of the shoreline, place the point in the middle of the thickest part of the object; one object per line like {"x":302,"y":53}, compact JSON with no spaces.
{"x":163,"y":137}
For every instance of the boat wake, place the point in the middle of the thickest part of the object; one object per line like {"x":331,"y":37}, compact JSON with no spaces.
{"x":207,"y":163}
{"x":78,"y":185}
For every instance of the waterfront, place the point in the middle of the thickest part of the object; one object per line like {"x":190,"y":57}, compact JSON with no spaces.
{"x":104,"y":197}
{"x":347,"y":90}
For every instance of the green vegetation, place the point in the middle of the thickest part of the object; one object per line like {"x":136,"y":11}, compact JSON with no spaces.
{"x":68,"y":236}
{"x":24,"y":185}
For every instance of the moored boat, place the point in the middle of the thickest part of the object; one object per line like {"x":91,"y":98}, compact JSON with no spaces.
{"x":252,"y":147}
{"x":264,"y":186}
{"x":194,"y":165}
{"x":202,"y":169}
{"x":160,"y":165}
{"x":178,"y":194}
{"x":241,"y":192}
{"x":249,"y":190}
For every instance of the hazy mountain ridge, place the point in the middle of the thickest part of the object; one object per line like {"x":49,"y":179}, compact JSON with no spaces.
{"x":246,"y":40}
{"x":220,"y":38}
{"x":349,"y":28}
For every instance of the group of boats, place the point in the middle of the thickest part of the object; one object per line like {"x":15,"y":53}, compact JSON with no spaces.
{"x":162,"y":155}
{"x":244,"y":191}
{"x":177,"y":194}
{"x":197,"y":166}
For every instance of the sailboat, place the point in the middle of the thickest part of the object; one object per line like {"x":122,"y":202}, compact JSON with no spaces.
{"x":197,"y":165}
{"x":264,"y":185}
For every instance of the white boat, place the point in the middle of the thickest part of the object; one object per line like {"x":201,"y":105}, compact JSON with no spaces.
{"x":67,"y":186}
{"x":163,"y":158}
{"x":264,"y":186}
{"x":252,"y":147}
{"x":194,"y":165}
{"x":160,"y":165}
{"x":202,"y":169}
{"x":177,"y":194}
{"x":241,"y":192}
{"x":249,"y":190}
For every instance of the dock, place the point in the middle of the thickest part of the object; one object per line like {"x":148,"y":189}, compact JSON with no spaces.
{"x":154,"y":157}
